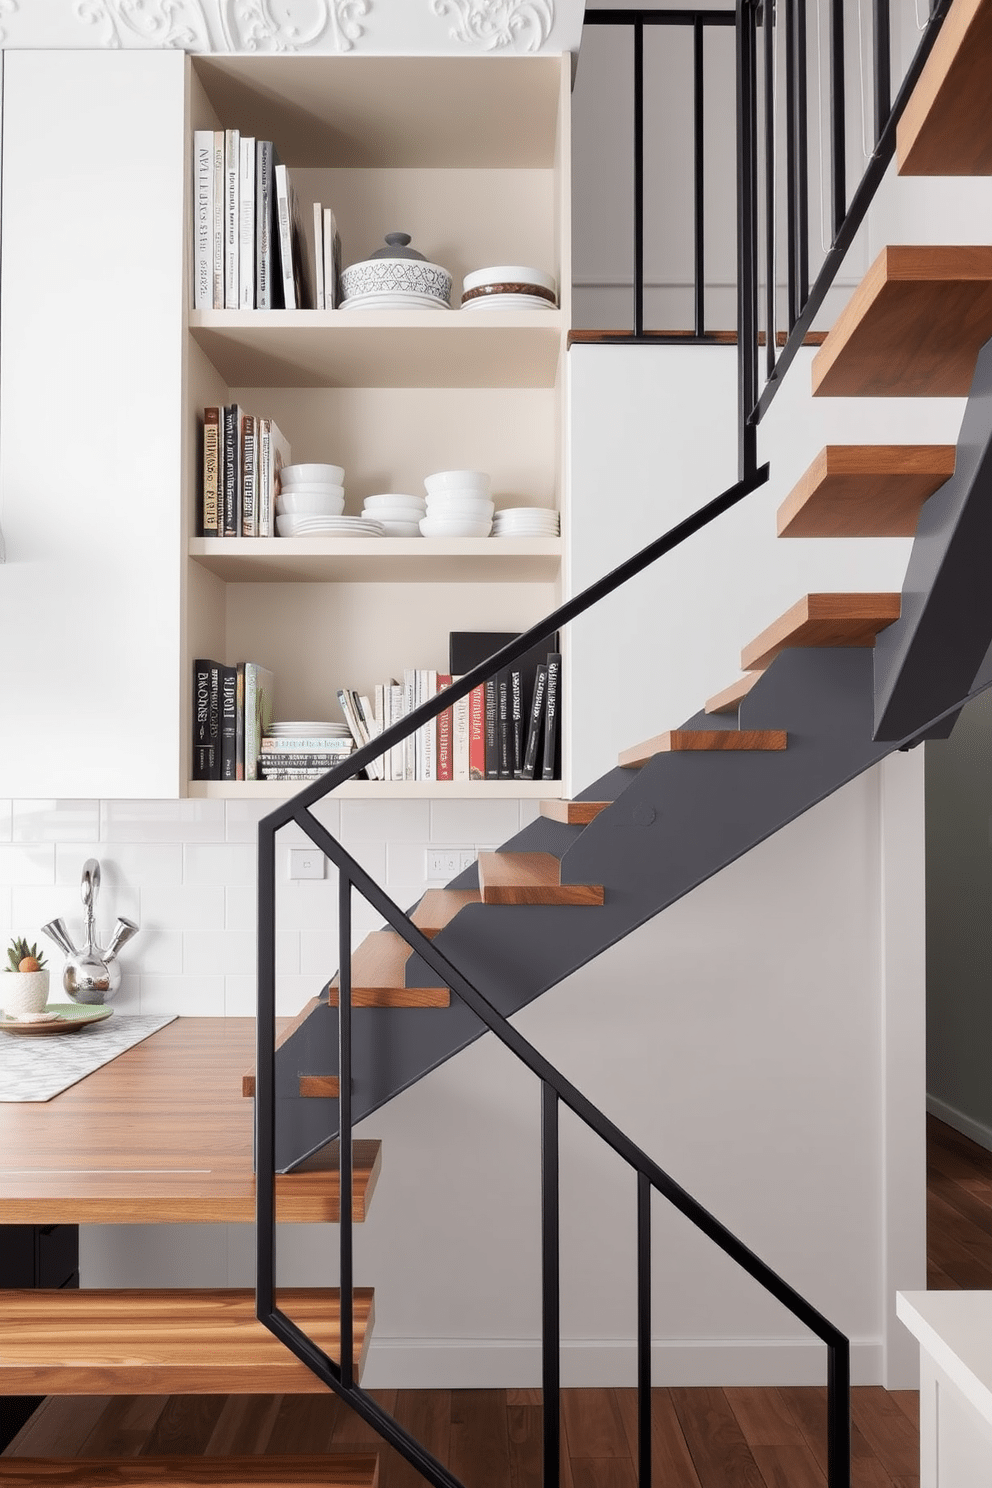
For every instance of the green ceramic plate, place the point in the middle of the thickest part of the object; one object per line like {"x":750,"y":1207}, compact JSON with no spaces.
{"x":79,"y":1012}
{"x":72,"y":1018}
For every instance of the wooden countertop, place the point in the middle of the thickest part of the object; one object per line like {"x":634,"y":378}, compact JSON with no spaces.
{"x":162,"y":1134}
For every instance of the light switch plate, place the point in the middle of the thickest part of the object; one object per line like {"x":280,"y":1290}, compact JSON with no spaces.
{"x":306,"y":862}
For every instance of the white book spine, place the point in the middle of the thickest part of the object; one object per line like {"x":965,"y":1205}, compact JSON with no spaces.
{"x":203,"y":219}
{"x":429,"y":730}
{"x":285,"y":222}
{"x":220,"y":179}
{"x":330,"y":277}
{"x":459,"y":739}
{"x":246,"y":258}
{"x":395,"y":716}
{"x":381,"y":724}
{"x":263,"y":483}
{"x":232,"y":218}
{"x":318,"y":256}
{"x":410,"y":742}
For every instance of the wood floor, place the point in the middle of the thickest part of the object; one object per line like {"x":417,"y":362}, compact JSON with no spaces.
{"x":703,"y":1438}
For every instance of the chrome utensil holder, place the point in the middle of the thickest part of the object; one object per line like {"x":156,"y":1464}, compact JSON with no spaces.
{"x":93,"y":974}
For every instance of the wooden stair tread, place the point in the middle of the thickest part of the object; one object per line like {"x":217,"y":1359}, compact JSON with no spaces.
{"x":331,"y":1471}
{"x":326,"y":1086}
{"x":708,"y":740}
{"x":378,"y":969}
{"x":165,"y":1341}
{"x":823,"y":620}
{"x":729,"y":700}
{"x":865,"y":490}
{"x":573,"y":813}
{"x":913,"y":327}
{"x":945,"y":128}
{"x":282,"y":1035}
{"x":530,"y":878}
{"x":438,"y":908}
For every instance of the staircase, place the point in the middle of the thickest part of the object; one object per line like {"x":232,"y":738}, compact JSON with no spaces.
{"x":834,"y":685}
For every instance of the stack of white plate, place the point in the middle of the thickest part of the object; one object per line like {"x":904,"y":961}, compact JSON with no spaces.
{"x":407,"y":301}
{"x":310,"y":491}
{"x":332,"y":527}
{"x":526,"y":521}
{"x":398,"y":515}
{"x":458,"y":504}
{"x":509,"y":287}
{"x":306,"y":728}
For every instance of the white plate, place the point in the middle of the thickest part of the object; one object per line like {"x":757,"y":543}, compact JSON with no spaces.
{"x":394,"y":302}
{"x":509,"y":274}
{"x":434,"y":527}
{"x":508,"y":302}
{"x":339,"y":527}
{"x":294,"y":726}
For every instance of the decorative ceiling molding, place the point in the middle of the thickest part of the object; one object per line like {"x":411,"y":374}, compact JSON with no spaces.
{"x":523,"y":25}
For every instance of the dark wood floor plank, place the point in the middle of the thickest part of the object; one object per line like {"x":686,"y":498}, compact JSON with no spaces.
{"x":720,"y":1454}
{"x":940,"y":1135}
{"x":58,"y":1427}
{"x":978,"y":1212}
{"x":525,"y":1426}
{"x":183,"y":1426}
{"x":524,"y":1397}
{"x":788,"y":1466}
{"x":671,"y":1463}
{"x":602,"y":1472}
{"x":887,"y":1429}
{"x":480,"y":1447}
{"x":244,"y":1426}
{"x":764,"y":1418}
{"x":124,"y":1427}
{"x":908,"y":1402}
{"x":947,"y":1245}
{"x":351,"y":1428}
{"x":304,"y":1423}
{"x":426,"y":1415}
{"x":593,"y":1424}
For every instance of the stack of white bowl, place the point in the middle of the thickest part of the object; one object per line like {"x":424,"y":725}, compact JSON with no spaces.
{"x":509,"y":287}
{"x":398,"y":515}
{"x":526,"y":521}
{"x":307,"y":491}
{"x":458,"y":504}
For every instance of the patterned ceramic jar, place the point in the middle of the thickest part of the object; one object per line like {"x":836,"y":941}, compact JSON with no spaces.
{"x":396,"y":269}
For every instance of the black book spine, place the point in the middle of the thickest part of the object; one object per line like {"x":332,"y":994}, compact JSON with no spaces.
{"x":215,"y":720}
{"x":536,"y":723}
{"x":516,"y":724}
{"x":239,"y":715}
{"x":228,"y":723}
{"x":492,"y":730}
{"x":504,"y":726}
{"x":230,"y":471}
{"x":203,"y":747}
{"x":552,"y":708}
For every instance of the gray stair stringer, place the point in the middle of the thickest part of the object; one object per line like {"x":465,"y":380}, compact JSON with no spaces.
{"x":681,"y":818}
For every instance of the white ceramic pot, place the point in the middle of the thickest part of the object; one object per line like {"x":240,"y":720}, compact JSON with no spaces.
{"x":23,"y":992}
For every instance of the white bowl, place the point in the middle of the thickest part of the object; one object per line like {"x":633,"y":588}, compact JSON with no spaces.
{"x":394,"y":513}
{"x":396,"y":276}
{"x":332,"y":473}
{"x":308,"y":504}
{"x":312,"y":488}
{"x":464,"y":480}
{"x":509,"y":274}
{"x":467,"y":527}
{"x":450,"y":506}
{"x":395,"y":498}
{"x":399,"y":529}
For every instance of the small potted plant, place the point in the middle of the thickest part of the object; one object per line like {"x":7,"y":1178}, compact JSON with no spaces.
{"x":24,"y":986}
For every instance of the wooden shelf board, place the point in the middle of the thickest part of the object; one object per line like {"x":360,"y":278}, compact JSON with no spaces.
{"x":414,"y":348}
{"x":912,"y":328}
{"x":679,"y":741}
{"x":946,"y":129}
{"x":387,"y":560}
{"x":530,"y":878}
{"x":158,"y":1342}
{"x":332,"y":1470}
{"x":377,"y":790}
{"x":865,"y":490}
{"x":823,"y":620}
{"x":161,"y":1135}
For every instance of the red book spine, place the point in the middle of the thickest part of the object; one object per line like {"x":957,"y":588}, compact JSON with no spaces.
{"x":445,"y":723}
{"x":477,"y":733}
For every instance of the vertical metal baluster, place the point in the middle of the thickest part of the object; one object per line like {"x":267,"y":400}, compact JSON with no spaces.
{"x":638,"y":179}
{"x":698,"y":174}
{"x":747,"y":244}
{"x":550,"y":1310}
{"x":802,"y":158}
{"x":768,"y":22}
{"x":839,"y":1415}
{"x":790,"y":159}
{"x":265,"y":1055}
{"x":838,"y":157}
{"x":643,"y":1332}
{"x":883,"y":65}
{"x":344,"y":1135}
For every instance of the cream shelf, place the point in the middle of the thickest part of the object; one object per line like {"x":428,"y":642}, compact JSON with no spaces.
{"x":412,"y":348}
{"x":380,"y":790}
{"x":378,"y":560}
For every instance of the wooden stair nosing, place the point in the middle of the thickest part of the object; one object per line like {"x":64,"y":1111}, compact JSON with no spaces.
{"x":438,"y":908}
{"x":729,"y":700}
{"x":913,"y":327}
{"x":378,"y":971}
{"x":861,"y":490}
{"x":944,"y":129}
{"x":677,"y":741}
{"x":530,"y":878}
{"x":347,"y":1470}
{"x":166,"y":1341}
{"x":573,"y":813}
{"x":327,"y":1087}
{"x":823,"y":620}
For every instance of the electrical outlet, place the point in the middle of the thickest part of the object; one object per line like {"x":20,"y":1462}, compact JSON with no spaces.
{"x":466,"y":859}
{"x":445,"y":862}
{"x":306,"y":862}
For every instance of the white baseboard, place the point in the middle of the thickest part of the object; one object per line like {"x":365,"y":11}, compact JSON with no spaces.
{"x":966,"y":1125}
{"x":501,"y":1363}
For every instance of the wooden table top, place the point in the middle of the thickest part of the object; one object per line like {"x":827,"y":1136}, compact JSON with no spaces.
{"x":160,"y":1135}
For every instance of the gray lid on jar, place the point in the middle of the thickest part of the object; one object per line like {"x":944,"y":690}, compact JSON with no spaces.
{"x":397,"y":247}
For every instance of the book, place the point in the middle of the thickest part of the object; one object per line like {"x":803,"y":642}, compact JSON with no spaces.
{"x":550,"y":769}
{"x":320,"y":759}
{"x":210,"y":524}
{"x":332,"y":260}
{"x":445,"y":732}
{"x":397,"y":751}
{"x":491,"y":693}
{"x":239,"y":735}
{"x":246,"y":233}
{"x":228,"y":723}
{"x":535,"y":723}
{"x":427,"y":732}
{"x":503,"y":745}
{"x":266,"y":160}
{"x":470,"y":648}
{"x":410,"y":742}
{"x":259,"y":693}
{"x":275,"y":453}
{"x":293,"y":261}
{"x":203,"y":223}
{"x":218,"y":228}
{"x":371,"y":729}
{"x":232,"y":471}
{"x":350,"y":708}
{"x":205,"y":721}
{"x":477,"y":733}
{"x":459,"y":739}
{"x":232,"y":218}
{"x":249,"y":481}
{"x":304,"y":772}
{"x":303,"y":744}
{"x":516,"y":723}
{"x":318,"y":256}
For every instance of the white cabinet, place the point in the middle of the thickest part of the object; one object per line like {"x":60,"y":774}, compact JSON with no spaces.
{"x":108,"y":595}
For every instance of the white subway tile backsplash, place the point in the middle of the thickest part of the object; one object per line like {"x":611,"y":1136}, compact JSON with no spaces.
{"x":5,"y":820}
{"x":239,"y":996}
{"x":24,"y":863}
{"x":368,"y":854}
{"x":393,"y":821}
{"x":162,"y":821}
{"x":184,"y":906}
{"x":240,"y":903}
{"x":128,"y":996}
{"x":474,"y":821}
{"x":405,"y":862}
{"x":55,"y":821}
{"x":189,"y":996}
{"x":128,"y":864}
{"x":242,"y":819}
{"x":222,"y":951}
{"x":529,"y":812}
{"x":294,"y":992}
{"x":219,"y":863}
{"x":307,"y":904}
{"x":6,"y":926}
{"x":156,"y":952}
{"x":319,"y":954}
